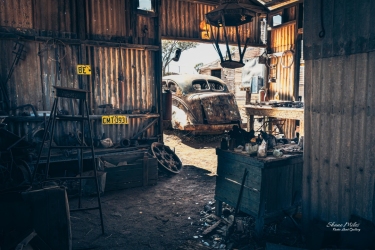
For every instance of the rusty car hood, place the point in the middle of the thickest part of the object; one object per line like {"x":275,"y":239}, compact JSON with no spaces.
{"x":219,"y":108}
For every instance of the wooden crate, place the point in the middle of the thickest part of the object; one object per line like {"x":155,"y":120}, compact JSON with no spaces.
{"x":130,"y":170}
{"x":46,"y":211}
{"x":272,"y":187}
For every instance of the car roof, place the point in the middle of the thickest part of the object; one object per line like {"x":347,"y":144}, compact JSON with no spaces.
{"x":184,"y":81}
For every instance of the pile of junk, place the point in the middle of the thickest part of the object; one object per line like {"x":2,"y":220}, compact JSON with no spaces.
{"x":261,"y":145}
{"x":41,"y":173}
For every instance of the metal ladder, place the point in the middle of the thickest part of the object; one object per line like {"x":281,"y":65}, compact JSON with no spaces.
{"x":81,"y":95}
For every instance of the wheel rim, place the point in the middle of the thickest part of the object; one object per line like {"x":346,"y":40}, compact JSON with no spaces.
{"x":166,"y":157}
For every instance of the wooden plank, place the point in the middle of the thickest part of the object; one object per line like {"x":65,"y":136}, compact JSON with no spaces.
{"x":287,"y":113}
{"x":234,"y":171}
{"x":130,"y":158}
{"x":229,"y":155}
{"x":211,"y":228}
{"x":359,"y":136}
{"x":346,"y":184}
{"x":132,"y":175}
{"x":324,"y":148}
{"x":307,"y":147}
{"x":315,"y":140}
{"x":297,"y":182}
{"x":369,"y":194}
{"x":228,"y":191}
{"x":277,"y":187}
{"x":336,"y":142}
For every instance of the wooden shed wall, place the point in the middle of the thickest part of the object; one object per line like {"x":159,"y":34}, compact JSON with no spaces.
{"x":119,"y":42}
{"x":339,"y":151}
{"x":189,"y":16}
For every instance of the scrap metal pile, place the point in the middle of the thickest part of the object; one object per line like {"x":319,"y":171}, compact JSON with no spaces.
{"x":236,"y":231}
{"x":262,"y":145}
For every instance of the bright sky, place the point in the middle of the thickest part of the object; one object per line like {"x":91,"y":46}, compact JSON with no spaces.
{"x":203,"y":53}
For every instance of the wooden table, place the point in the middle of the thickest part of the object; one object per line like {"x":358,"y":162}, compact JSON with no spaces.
{"x":277,"y":112}
{"x":272,"y":187}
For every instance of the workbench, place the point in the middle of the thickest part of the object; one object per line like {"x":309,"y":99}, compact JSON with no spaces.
{"x":276,"y":112}
{"x":272,"y":188}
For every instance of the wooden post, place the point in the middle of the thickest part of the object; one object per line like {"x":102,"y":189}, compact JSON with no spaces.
{"x":250,"y":122}
{"x":301,"y":128}
{"x":248,"y":96}
{"x":270,"y":127}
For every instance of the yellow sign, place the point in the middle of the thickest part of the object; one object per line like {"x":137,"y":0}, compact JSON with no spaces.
{"x":115,"y":119}
{"x":83,"y":69}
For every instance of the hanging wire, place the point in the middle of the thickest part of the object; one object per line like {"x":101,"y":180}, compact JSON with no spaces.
{"x":53,"y":44}
{"x":268,"y":61}
{"x":287,"y":54}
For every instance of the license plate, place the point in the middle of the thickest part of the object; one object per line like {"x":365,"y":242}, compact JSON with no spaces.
{"x":115,"y":119}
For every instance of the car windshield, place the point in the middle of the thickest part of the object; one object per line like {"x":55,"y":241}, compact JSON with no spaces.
{"x":203,"y":85}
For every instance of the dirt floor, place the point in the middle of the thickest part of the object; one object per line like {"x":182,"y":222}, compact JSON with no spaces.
{"x":198,"y":151}
{"x":164,"y":216}
{"x":168,"y":215}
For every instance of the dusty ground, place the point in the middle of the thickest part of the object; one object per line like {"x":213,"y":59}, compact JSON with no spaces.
{"x":193,"y":150}
{"x":164,"y":216}
{"x":169,"y":214}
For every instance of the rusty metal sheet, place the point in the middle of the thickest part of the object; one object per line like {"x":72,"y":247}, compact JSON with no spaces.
{"x":282,"y":39}
{"x":108,"y":18}
{"x":219,"y":108}
{"x":17,"y":14}
{"x":122,"y":77}
{"x":46,"y":16}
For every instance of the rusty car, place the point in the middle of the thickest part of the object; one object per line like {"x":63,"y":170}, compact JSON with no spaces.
{"x":201,"y":104}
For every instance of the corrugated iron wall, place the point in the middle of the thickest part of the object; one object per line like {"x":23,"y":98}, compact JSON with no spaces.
{"x":191,"y":18}
{"x":43,"y":15}
{"x":282,"y":68}
{"x":114,"y":41}
{"x":124,"y":78}
{"x":17,"y":14}
{"x":188,"y":15}
{"x":339,"y":153}
{"x":283,"y":39}
{"x":108,"y":17}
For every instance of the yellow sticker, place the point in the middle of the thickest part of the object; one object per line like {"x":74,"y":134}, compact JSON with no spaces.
{"x":115,"y":119}
{"x":83,"y":69}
